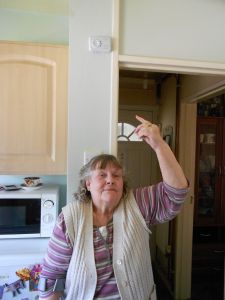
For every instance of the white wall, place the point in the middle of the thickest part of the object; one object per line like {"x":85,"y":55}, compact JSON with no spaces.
{"x":178,"y":29}
{"x":89,"y":85}
{"x":33,"y":26}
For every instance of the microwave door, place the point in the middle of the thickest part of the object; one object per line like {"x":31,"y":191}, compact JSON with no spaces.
{"x":20,"y":217}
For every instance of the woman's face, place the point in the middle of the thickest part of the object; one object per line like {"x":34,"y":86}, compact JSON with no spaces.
{"x":106,"y":186}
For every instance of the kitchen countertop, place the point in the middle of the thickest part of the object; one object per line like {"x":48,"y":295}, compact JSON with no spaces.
{"x":15,"y":250}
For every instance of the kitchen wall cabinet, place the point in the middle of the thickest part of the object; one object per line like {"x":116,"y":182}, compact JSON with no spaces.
{"x":209,"y":214}
{"x":33,"y":108}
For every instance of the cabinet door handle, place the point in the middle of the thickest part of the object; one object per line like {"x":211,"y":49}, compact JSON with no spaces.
{"x":218,"y":251}
{"x":205,"y":234}
{"x":221,"y":171}
{"x":218,"y":171}
{"x":217,"y":269}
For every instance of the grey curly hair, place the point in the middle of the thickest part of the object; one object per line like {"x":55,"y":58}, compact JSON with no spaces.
{"x":98,"y":162}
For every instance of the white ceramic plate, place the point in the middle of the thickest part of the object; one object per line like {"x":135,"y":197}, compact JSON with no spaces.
{"x":31,"y":188}
{"x":11,"y":187}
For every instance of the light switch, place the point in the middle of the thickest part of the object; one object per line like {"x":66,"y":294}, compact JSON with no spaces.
{"x":100,"y":44}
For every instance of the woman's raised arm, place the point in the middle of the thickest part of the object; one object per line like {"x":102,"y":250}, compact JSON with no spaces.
{"x":171,"y":170}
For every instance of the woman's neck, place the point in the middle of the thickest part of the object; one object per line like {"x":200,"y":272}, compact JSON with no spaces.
{"x":101,"y":218}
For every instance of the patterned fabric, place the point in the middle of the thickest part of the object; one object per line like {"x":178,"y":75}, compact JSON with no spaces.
{"x":157,"y":203}
{"x":106,"y":283}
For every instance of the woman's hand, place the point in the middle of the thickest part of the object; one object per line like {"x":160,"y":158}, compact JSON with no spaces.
{"x":172,"y":172}
{"x":149,"y":132}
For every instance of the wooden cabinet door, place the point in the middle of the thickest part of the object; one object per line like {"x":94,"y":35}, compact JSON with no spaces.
{"x":33,"y":108}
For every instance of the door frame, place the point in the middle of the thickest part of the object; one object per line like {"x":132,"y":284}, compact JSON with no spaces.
{"x":183,"y":260}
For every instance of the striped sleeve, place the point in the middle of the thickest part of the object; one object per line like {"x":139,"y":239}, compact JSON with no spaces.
{"x":57,"y":258}
{"x":160,"y":202}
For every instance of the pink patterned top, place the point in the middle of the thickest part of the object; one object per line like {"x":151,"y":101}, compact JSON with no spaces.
{"x":158,"y":203}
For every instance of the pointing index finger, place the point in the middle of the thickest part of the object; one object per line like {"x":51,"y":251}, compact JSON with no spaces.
{"x":140,"y":119}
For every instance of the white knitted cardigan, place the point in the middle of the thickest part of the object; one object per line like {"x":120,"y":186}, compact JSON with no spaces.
{"x":131,"y":252}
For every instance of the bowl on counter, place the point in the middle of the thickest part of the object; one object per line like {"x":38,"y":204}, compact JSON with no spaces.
{"x":32,"y":181}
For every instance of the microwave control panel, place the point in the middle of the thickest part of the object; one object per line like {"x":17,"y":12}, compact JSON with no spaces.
{"x":49,"y":213}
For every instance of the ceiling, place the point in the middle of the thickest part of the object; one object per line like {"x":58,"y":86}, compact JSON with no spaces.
{"x":58,"y":7}
{"x":141,"y":79}
{"x":142,"y":74}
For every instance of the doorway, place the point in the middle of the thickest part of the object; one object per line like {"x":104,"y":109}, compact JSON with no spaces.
{"x":180,"y":260}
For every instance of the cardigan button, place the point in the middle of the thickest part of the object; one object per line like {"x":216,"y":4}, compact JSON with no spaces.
{"x":125,"y":283}
{"x":119,"y":262}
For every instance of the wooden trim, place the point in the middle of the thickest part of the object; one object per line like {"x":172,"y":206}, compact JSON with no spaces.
{"x":115,"y":80}
{"x":139,"y":107}
{"x":34,"y":44}
{"x":184,"y":221}
{"x":171,"y":65}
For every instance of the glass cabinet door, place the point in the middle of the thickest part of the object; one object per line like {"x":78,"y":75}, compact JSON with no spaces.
{"x":207,"y":204}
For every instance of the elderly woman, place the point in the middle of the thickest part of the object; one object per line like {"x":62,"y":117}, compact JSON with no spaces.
{"x":100,"y":244}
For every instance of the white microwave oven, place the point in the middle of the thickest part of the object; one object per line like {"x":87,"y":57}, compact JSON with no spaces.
{"x":28,"y":213}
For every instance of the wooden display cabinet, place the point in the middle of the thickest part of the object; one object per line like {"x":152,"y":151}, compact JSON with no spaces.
{"x":209,"y":214}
